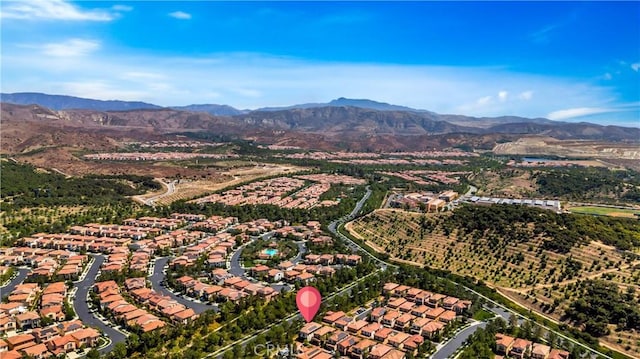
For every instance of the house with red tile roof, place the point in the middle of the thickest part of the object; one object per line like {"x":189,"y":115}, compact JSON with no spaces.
{"x":370,"y":329}
{"x":321,"y":335}
{"x":520,"y":348}
{"x":389,"y":319}
{"x":87,"y":337}
{"x":356,"y":326}
{"x":540,"y":351}
{"x":389,"y":288}
{"x":7,"y":323}
{"x":360,"y":349}
{"x":63,"y":344}
{"x":306,"y":332}
{"x":53,"y":312}
{"x":346,"y":344}
{"x":504,"y":343}
{"x":382,"y":334}
{"x":331,"y":317}
{"x":38,"y":351}
{"x":395,"y":303}
{"x":184,"y":316}
{"x":558,"y":354}
{"x":379,"y":350}
{"x":335,"y":338}
{"x":28,"y":320}
{"x":447,"y":317}
{"x":397,"y":339}
{"x":431,"y":329}
{"x":403,"y":321}
{"x":377,"y":314}
{"x":20,"y":340}
{"x":434,"y":313}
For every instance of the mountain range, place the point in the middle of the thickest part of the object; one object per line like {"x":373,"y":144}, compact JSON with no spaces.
{"x":342,"y":123}
{"x":62,"y":102}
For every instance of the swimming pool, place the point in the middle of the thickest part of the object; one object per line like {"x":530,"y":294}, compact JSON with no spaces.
{"x":271,"y":252}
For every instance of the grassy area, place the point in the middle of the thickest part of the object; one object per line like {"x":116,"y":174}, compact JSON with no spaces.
{"x":605,"y":211}
{"x":483,"y":315}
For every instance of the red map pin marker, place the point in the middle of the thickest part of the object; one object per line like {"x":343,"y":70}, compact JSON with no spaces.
{"x":308,"y":300}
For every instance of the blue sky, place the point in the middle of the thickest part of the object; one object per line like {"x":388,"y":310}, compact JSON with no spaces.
{"x":568,"y":61}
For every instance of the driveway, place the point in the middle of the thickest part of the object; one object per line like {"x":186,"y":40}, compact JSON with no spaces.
{"x":82,"y":308}
{"x":158,"y":276}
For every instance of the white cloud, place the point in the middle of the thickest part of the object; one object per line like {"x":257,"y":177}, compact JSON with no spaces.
{"x":502,"y":96}
{"x":180,"y":15}
{"x":71,"y":48}
{"x":526,"y":95}
{"x":607,"y":76}
{"x":577,"y":112}
{"x":635,"y":66}
{"x":100,"y":89}
{"x":51,"y":10}
{"x":124,"y":8}
{"x":483,"y":100}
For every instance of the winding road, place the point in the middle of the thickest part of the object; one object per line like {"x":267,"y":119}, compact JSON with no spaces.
{"x":81,"y":306}
{"x":446,"y":349}
{"x":171,"y":188}
{"x":22,"y":274}
{"x":333,"y":228}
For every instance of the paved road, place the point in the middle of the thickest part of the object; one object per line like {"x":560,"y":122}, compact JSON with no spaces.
{"x":235,"y":267}
{"x":22,"y":274}
{"x":302,"y":249}
{"x":158,"y":276}
{"x":171,"y":188}
{"x":445,"y":350}
{"x":351,"y":244}
{"x":82,"y":308}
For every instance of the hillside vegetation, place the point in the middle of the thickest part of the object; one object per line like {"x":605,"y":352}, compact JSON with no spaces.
{"x":514,"y":247}
{"x":546,"y":261}
{"x":586,"y":184}
{"x":23,"y":186}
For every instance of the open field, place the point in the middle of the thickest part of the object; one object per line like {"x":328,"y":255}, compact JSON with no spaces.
{"x":188,"y":189}
{"x":63,"y":160}
{"x":592,"y":150}
{"x":534,"y":277}
{"x":518,"y":183}
{"x":605,"y":211}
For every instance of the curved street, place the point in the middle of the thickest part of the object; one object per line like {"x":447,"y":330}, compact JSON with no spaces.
{"x":158,"y":276}
{"x":235,"y":267}
{"x":445,"y":350}
{"x":81,"y":306}
{"x":22,"y":274}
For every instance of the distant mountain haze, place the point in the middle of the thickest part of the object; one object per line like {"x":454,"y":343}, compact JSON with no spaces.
{"x":62,"y":102}
{"x":352,"y":118}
